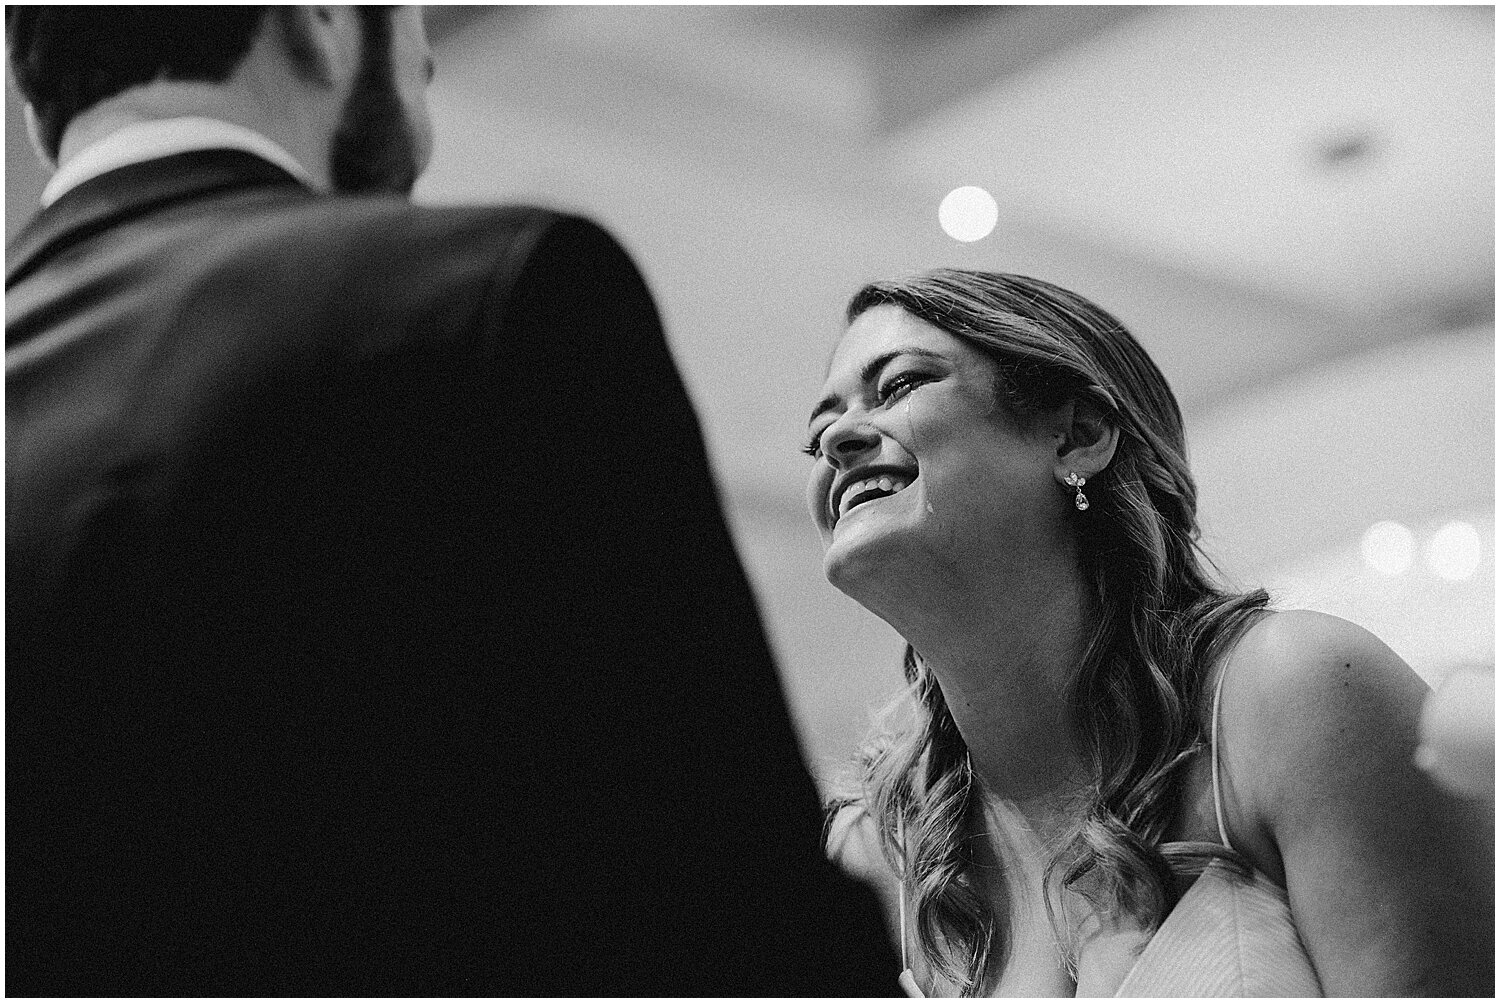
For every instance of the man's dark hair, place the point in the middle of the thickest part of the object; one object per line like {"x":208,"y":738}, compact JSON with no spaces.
{"x":67,"y":59}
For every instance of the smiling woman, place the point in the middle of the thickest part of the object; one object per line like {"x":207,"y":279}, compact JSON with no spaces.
{"x":1115,"y":775}
{"x":910,"y":402}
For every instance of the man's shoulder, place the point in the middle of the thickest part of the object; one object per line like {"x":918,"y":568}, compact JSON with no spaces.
{"x":344,"y":276}
{"x":398,"y":258}
{"x":379,"y":244}
{"x":374,"y":230}
{"x":401,"y":218}
{"x":364,"y":264}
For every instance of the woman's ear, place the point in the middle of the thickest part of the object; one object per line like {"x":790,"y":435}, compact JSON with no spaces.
{"x":321,"y":42}
{"x":1087,"y":441}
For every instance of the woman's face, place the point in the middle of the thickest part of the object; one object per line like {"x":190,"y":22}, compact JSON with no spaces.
{"x":917,"y":472}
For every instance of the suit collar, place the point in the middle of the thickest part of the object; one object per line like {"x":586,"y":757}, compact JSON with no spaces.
{"x":164,"y":137}
{"x":132,"y":191}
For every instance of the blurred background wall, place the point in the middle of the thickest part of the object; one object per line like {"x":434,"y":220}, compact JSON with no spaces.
{"x":1292,"y":208}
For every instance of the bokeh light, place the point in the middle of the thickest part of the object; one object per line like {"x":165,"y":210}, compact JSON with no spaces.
{"x":1388,"y":547}
{"x":968,"y":214}
{"x":1454,"y":551}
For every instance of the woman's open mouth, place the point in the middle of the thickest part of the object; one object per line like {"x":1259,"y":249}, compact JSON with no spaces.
{"x":869,"y":489}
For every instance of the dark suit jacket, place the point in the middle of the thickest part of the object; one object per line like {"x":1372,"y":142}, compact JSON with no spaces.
{"x":372,"y":625}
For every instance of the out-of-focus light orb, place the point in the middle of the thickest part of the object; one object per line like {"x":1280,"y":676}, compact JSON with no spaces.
{"x":1388,"y":547}
{"x":1458,"y":733}
{"x":968,"y":213}
{"x":1454,"y":551}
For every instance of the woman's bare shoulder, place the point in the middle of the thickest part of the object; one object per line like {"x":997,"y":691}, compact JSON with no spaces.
{"x":1298,"y":672}
{"x":1314,"y":708}
{"x":1390,"y":880}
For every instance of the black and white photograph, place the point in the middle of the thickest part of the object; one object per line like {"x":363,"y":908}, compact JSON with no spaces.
{"x":733,"y":500}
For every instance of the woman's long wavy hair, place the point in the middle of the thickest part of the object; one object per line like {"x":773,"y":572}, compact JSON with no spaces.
{"x":1160,"y":624}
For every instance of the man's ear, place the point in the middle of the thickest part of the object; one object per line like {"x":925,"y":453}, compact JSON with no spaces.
{"x":321,"y":42}
{"x":1087,"y":442}
{"x":34,"y":133}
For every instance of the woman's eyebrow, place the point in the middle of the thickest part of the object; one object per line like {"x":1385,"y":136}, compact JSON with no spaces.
{"x":869,"y":372}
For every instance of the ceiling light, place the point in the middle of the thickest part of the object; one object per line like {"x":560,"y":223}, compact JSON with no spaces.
{"x":968,"y":214}
{"x":1454,"y":551}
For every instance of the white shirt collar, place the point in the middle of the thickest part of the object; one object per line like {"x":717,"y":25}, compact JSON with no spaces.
{"x":134,"y":144}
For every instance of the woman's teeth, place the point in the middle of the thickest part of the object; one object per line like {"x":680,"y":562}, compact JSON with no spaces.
{"x":861,"y":491}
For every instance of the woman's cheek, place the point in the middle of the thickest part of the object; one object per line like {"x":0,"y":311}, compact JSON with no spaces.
{"x":915,"y":414}
{"x":818,"y":483}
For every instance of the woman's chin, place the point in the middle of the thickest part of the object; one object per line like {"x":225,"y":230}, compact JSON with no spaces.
{"x":860,"y":553}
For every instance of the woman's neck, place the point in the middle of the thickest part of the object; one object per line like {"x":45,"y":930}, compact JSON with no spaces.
{"x":1004,"y":660}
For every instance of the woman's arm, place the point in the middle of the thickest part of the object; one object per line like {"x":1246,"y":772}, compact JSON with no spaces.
{"x":1391,"y":879}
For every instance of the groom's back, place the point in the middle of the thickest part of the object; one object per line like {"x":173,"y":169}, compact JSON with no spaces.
{"x":372,"y":626}
{"x":147,"y":318}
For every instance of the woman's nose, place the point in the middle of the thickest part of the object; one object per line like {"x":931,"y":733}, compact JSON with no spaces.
{"x":847,"y":440}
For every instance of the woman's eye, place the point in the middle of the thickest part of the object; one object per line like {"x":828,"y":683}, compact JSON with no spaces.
{"x":814,"y":446}
{"x":899,"y":386}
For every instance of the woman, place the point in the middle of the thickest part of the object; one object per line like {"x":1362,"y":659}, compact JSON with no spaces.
{"x":1116,"y":776}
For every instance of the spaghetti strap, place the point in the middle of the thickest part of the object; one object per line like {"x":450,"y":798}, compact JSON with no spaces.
{"x":907,"y":980}
{"x":1213,"y":748}
{"x":901,"y":912}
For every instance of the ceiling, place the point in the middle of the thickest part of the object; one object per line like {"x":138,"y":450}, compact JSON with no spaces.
{"x":1340,"y":155}
{"x":1252,"y":189}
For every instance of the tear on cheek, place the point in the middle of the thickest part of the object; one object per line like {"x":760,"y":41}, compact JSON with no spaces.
{"x":911,"y":424}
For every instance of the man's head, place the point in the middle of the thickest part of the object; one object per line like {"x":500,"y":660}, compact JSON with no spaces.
{"x":384,"y":136}
{"x":67,"y":60}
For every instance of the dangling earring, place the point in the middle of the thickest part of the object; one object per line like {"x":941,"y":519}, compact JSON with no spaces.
{"x":1076,"y":481}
